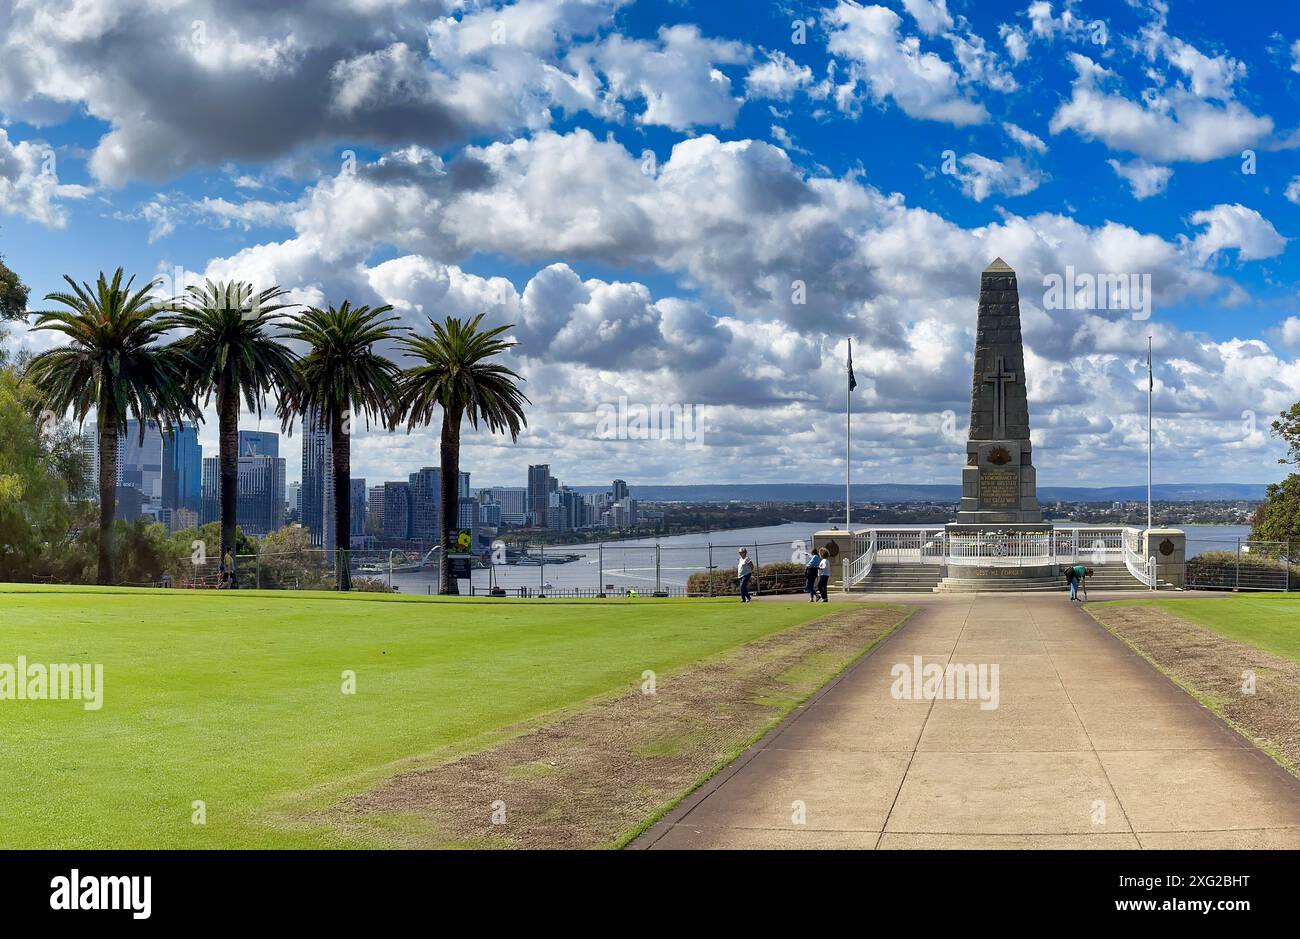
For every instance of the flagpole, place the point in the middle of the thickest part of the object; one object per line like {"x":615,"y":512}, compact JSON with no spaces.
{"x":1151,"y":387}
{"x":848,"y":442}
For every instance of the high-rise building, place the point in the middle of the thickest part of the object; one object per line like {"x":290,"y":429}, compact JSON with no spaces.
{"x":426,"y":504}
{"x":293,"y":501}
{"x":513,"y":501}
{"x":140,"y":465}
{"x":462,"y":486}
{"x":619,"y":491}
{"x":358,"y":507}
{"x":210,"y":501}
{"x":397,"y":511}
{"x":317,"y":507}
{"x":539,"y":490}
{"x":467,"y":514}
{"x":375,"y":509}
{"x":183,"y":520}
{"x":259,"y":510}
{"x":90,"y":453}
{"x":489,"y":515}
{"x":182,"y":470}
{"x":259,"y":443}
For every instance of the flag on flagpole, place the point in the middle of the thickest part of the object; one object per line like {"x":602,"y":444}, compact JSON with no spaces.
{"x":853,"y":382}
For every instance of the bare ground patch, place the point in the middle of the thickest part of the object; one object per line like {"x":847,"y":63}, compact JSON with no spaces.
{"x":1212,"y":667}
{"x":598,"y":776}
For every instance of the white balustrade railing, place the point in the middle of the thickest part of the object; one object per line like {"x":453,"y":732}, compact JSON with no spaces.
{"x":1000,"y":548}
{"x":985,"y":548}
{"x":1144,"y":569}
{"x":864,"y":558}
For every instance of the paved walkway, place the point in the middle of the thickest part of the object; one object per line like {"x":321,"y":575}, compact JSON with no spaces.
{"x":1089,"y":747}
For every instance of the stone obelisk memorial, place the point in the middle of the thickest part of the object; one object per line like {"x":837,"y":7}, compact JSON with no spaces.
{"x":998,"y":491}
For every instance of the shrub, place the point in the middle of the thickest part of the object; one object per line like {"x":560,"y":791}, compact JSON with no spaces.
{"x":1225,"y":570}
{"x":782,"y":577}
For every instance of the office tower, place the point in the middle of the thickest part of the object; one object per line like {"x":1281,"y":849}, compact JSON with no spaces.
{"x":397,"y":511}
{"x":566,"y":510}
{"x":259,"y":510}
{"x":375,"y":510}
{"x":182,"y":469}
{"x":426,"y":504}
{"x":467,"y":520}
{"x":259,"y":443}
{"x":623,"y":514}
{"x":317,"y":495}
{"x":140,"y":465}
{"x":358,"y":507}
{"x":90,"y":453}
{"x":183,"y":520}
{"x":210,"y":501}
{"x":489,"y":515}
{"x":539,"y":490}
{"x":462,"y":486}
{"x":513,"y":501}
{"x":293,"y":501}
{"x":619,"y":492}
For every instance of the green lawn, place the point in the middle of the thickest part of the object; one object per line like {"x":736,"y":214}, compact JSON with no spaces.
{"x":235,"y":698}
{"x":1268,"y":621}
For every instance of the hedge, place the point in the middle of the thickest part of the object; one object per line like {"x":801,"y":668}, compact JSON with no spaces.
{"x":782,"y":577}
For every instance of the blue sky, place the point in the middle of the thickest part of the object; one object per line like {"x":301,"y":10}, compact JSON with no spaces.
{"x":454,"y":158}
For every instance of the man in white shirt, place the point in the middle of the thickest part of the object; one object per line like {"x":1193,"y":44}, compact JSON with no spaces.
{"x":744,"y":571}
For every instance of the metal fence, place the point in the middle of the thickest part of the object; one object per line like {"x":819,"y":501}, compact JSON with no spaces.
{"x":528,"y":570}
{"x":1243,"y":564}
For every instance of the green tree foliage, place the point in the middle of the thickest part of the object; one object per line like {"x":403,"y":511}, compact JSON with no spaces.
{"x":1278,"y":517}
{"x":13,"y":294}
{"x":34,"y":512}
{"x":112,"y":363}
{"x":454,"y":374}
{"x":232,"y":351}
{"x":1287,"y":428}
{"x":342,"y":377}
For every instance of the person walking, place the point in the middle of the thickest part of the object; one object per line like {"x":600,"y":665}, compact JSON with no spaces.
{"x":823,"y":573}
{"x":810,"y":571}
{"x":744,"y":571}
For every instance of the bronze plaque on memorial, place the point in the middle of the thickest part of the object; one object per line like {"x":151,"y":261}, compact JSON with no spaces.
{"x":999,"y":488}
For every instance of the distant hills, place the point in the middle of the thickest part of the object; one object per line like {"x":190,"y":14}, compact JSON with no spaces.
{"x":900,"y":492}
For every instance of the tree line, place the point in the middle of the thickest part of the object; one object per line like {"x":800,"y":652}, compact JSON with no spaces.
{"x":128,"y":354}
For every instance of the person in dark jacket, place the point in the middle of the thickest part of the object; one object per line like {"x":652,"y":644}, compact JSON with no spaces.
{"x":810,"y":575}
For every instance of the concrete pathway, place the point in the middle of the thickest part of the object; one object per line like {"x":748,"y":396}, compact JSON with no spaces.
{"x":1089,"y":746}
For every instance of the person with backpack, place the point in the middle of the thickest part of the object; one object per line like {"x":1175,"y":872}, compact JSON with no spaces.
{"x":810,"y":570}
{"x":1080,"y":580}
{"x":744,"y":571}
{"x":1072,"y":580}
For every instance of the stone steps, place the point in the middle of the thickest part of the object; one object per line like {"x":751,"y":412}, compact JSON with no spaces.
{"x":934,"y":578}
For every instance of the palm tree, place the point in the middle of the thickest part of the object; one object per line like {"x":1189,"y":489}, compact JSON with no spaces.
{"x":232,"y":351}
{"x":453,"y":373}
{"x":113,"y":364}
{"x":341,"y":375}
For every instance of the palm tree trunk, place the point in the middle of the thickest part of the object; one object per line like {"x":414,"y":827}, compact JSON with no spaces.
{"x":340,"y":443}
{"x":228,"y":447}
{"x":108,"y":455}
{"x":450,"y":455}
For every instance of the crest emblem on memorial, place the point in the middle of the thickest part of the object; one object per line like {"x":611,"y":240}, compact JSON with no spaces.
{"x":999,"y":456}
